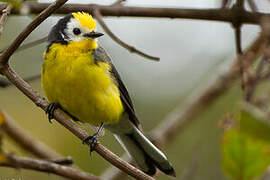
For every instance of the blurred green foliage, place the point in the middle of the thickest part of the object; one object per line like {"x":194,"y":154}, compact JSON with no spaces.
{"x":244,"y":158}
{"x":246,"y":147}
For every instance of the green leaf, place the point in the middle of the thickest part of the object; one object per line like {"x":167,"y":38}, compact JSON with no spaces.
{"x":244,"y":158}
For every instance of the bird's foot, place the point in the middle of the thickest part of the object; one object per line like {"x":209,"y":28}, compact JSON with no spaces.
{"x":50,"y":110}
{"x":92,"y":139}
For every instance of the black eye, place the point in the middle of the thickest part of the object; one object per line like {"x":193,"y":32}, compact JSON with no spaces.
{"x":76,"y":31}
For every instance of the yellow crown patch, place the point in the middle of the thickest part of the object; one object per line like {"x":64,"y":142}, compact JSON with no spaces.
{"x":86,"y":20}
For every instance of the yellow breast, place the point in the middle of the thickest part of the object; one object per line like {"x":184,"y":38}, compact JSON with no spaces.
{"x":82,"y":87}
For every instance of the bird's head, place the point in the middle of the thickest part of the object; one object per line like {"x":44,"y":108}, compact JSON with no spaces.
{"x":76,"y":27}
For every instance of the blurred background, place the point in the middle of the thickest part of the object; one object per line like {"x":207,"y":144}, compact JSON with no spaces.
{"x":192,"y":55}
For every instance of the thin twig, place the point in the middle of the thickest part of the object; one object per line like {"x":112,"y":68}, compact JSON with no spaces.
{"x":255,"y":80}
{"x":260,"y":67}
{"x":226,"y":3}
{"x":238,"y":9}
{"x":22,"y":36}
{"x":118,"y":3}
{"x":117,"y":40}
{"x":3,"y":19}
{"x":252,"y":5}
{"x":242,"y":65}
{"x":46,"y":166}
{"x":25,"y":140}
{"x":63,"y":161}
{"x":238,"y":40}
{"x":4,"y":83}
{"x":31,"y":44}
{"x":224,"y":15}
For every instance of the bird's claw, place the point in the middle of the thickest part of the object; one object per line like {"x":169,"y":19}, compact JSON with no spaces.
{"x":50,"y":110}
{"x":92,"y":141}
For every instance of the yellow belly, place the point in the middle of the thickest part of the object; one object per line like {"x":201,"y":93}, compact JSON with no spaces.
{"x":82,"y":87}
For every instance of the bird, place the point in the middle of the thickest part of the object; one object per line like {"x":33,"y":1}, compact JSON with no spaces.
{"x":79,"y":78}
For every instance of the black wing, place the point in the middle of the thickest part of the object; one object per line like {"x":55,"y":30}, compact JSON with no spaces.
{"x":101,"y":55}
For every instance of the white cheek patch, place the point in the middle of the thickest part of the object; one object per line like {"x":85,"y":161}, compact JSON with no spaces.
{"x":74,"y":23}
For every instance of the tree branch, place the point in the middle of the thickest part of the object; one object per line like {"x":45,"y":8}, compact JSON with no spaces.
{"x":224,"y":15}
{"x":132,"y":49}
{"x":46,"y":166}
{"x":3,"y":19}
{"x":26,"y":141}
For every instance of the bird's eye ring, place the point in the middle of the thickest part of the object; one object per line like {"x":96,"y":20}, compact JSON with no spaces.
{"x":76,"y":31}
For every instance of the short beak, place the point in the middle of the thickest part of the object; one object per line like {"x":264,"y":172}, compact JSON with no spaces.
{"x":93,"y":34}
